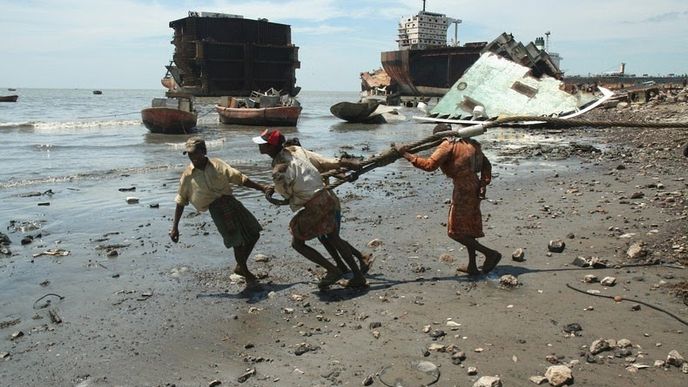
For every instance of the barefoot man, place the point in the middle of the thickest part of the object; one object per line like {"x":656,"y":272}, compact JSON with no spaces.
{"x":299,"y":181}
{"x":461,"y":160}
{"x":324,"y":164}
{"x":207,"y":184}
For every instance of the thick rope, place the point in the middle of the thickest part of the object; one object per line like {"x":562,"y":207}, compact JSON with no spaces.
{"x":684,"y":322}
{"x":391,"y":155}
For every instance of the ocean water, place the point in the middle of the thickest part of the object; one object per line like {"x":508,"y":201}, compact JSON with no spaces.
{"x":84,"y":147}
{"x":70,"y":159}
{"x":69,"y":135}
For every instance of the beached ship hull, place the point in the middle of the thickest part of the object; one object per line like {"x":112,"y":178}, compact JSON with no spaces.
{"x":227,"y":55}
{"x":429,"y":72}
{"x":359,"y":112}
{"x":8,"y":98}
{"x":168,"y":120}
{"x":272,"y":116}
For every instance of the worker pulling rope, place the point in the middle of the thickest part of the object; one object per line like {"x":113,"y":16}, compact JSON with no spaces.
{"x":392,"y":155}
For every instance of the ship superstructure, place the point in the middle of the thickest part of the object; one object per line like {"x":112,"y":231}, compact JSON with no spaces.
{"x":423,"y":30}
{"x":424,"y":64}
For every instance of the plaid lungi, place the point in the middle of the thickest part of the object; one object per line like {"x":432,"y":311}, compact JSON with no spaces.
{"x":235,"y":223}
{"x":317,"y":217}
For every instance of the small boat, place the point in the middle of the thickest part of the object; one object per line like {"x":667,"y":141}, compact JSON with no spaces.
{"x":97,"y":92}
{"x":261,"y":109}
{"x":8,"y":98}
{"x":170,"y":116}
{"x":357,"y":112}
{"x":11,"y":89}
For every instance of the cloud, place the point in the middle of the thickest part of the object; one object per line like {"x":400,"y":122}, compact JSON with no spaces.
{"x":76,"y":37}
{"x":665,"y":17}
{"x":321,"y":30}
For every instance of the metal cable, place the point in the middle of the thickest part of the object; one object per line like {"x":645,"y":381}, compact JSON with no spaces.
{"x":684,"y":322}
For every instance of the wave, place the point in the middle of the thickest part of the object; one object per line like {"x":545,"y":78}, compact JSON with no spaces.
{"x":84,"y":124}
{"x":56,"y":125}
{"x":25,"y":124}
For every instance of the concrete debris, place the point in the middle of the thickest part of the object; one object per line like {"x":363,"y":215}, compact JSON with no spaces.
{"x":488,"y":381}
{"x":558,"y":375}
{"x":518,"y":255}
{"x":508,"y":281}
{"x":675,"y":359}
{"x":556,"y":246}
{"x":608,"y":281}
{"x":599,"y":345}
{"x":375,"y":243}
{"x":590,"y":278}
{"x":637,"y":250}
{"x":261,"y":258}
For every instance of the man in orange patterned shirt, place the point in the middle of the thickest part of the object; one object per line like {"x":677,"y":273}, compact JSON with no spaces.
{"x":461,"y":160}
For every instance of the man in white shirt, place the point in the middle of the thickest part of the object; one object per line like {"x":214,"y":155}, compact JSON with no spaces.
{"x":300,"y":182}
{"x":207,"y":184}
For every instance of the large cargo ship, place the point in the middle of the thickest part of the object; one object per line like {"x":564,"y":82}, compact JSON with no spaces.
{"x":219,"y":54}
{"x":425,"y":65}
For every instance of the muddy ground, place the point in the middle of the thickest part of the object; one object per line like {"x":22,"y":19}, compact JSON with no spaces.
{"x":160,"y":314}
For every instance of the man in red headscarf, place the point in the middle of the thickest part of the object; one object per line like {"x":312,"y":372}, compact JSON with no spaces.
{"x":300,"y":183}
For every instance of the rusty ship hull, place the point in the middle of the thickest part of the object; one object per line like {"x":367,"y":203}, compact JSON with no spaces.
{"x":231,"y":56}
{"x":429,"y":72}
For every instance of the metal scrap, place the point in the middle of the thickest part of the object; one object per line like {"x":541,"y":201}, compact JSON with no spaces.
{"x":496,"y":86}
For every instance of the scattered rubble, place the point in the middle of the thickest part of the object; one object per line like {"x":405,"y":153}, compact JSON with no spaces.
{"x":558,"y":375}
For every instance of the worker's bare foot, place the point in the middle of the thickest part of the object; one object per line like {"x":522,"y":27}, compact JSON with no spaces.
{"x":253,"y":285}
{"x":330,"y":278}
{"x":248,"y":276}
{"x":355,"y":283}
{"x":491,"y":261}
{"x":366,"y":263}
{"x":470,"y":270}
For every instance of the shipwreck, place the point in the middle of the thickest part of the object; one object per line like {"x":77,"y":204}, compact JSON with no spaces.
{"x":218,"y":54}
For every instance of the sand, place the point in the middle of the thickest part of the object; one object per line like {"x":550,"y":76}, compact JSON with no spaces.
{"x":164,"y":314}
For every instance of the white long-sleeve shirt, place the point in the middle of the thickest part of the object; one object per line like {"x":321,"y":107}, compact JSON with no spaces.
{"x":296,"y":174}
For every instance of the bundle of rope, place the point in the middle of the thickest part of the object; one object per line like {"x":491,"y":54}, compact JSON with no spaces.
{"x":391,"y":155}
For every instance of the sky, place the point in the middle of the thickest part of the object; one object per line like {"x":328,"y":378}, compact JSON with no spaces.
{"x":124,"y":44}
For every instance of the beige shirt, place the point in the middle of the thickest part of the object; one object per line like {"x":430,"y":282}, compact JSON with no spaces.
{"x":296,"y":174}
{"x":201,"y":187}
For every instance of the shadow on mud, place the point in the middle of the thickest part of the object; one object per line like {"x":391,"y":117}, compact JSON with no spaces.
{"x":251,"y":296}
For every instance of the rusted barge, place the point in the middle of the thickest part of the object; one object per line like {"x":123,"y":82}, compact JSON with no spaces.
{"x":227,"y":55}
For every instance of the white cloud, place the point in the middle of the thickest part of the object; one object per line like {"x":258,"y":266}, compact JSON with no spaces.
{"x":322,"y":29}
{"x":129,"y":40}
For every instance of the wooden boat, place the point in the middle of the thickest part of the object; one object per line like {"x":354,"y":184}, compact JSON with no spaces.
{"x":170,"y":116}
{"x":358,"y":112}
{"x":8,"y":98}
{"x":261,"y":109}
{"x":274,"y":116}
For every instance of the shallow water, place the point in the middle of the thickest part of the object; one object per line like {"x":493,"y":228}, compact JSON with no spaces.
{"x":84,"y":147}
